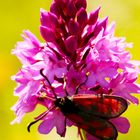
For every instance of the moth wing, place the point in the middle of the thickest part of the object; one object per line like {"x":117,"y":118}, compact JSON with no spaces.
{"x":98,"y":127}
{"x":100,"y":105}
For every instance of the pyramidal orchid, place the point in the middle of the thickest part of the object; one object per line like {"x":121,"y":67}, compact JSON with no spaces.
{"x":80,"y":54}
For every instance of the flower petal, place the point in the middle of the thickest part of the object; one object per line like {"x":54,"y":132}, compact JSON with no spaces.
{"x":93,"y":16}
{"x":47,"y":34}
{"x":60,"y":124}
{"x":122,"y":124}
{"x":46,"y":126}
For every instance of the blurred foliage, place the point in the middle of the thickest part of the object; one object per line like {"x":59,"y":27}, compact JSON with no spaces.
{"x":17,"y":15}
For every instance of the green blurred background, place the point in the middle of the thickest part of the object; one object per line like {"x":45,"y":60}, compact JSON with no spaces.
{"x":17,"y":15}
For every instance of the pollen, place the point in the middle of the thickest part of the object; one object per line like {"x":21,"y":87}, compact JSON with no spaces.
{"x":107,"y":79}
{"x":119,"y":70}
{"x":87,"y":73}
{"x":42,"y":94}
{"x":41,"y":82}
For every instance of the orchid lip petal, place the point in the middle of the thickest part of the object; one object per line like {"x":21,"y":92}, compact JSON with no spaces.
{"x":122,"y":124}
{"x":46,"y":126}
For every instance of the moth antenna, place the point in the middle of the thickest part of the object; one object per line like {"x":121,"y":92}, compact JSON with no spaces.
{"x":29,"y":126}
{"x":77,"y":88}
{"x":38,"y":119}
{"x":41,"y":72}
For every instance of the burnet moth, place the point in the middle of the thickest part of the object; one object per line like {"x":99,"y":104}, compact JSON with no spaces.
{"x":90,"y":112}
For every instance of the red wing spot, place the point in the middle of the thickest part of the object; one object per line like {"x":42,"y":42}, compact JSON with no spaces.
{"x":105,"y":133}
{"x":75,"y":118}
{"x":117,"y":107}
{"x":83,"y":126}
{"x":97,"y":124}
{"x":78,"y":121}
{"x":109,"y":106}
{"x":102,"y":108}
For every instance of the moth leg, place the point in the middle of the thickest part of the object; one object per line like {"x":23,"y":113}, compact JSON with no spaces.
{"x":80,"y":134}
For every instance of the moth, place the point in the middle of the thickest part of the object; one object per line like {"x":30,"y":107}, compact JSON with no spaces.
{"x":90,"y":112}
